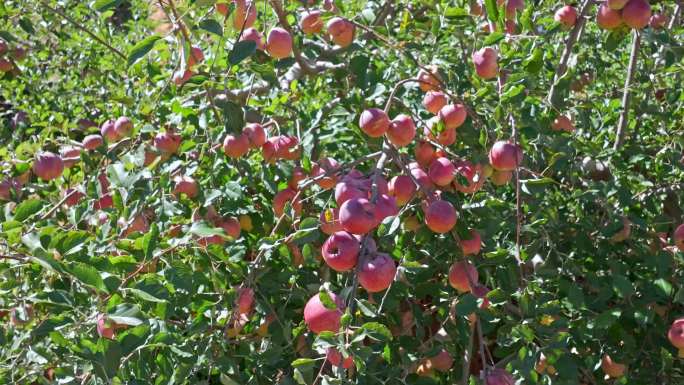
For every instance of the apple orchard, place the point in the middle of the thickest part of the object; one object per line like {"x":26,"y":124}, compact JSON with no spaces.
{"x":342,"y":192}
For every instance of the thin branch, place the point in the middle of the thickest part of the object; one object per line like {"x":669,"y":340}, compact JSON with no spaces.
{"x":627,"y":95}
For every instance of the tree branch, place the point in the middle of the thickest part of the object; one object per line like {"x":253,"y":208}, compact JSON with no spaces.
{"x":627,"y":95}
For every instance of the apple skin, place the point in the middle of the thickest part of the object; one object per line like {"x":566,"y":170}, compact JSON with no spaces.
{"x":659,"y":21}
{"x":341,"y":31}
{"x":498,"y":376}
{"x":374,"y":122}
{"x":185,"y":185}
{"x":245,"y":300}
{"x":473,"y":245}
{"x":283,"y":197}
{"x":616,"y":4}
{"x":340,"y":251}
{"x":607,"y":18}
{"x":70,"y":155}
{"x":236,"y":146}
{"x":231,"y":226}
{"x":424,"y":153}
{"x":4,"y":47}
{"x":106,"y":328}
{"x":377,"y":273}
{"x":48,"y":166}
{"x":566,"y":16}
{"x":453,"y":115}
{"x":319,"y":318}
{"x":429,"y":77}
{"x":500,"y":178}
{"x":333,"y":356}
{"x":433,"y":101}
{"x":108,"y":131}
{"x":10,"y":188}
{"x":676,"y":335}
{"x":440,"y":216}
{"x":323,"y":166}
{"x":123,"y":126}
{"x":92,"y":142}
{"x":167,"y":142}
{"x":442,"y":362}
{"x":678,"y":237}
{"x":421,"y":176}
{"x":636,"y":14}
{"x":505,"y":156}
{"x":74,"y":196}
{"x":612,"y":368}
{"x":196,"y":56}
{"x":441,"y":171}
{"x":310,"y":22}
{"x":5,"y":65}
{"x":357,"y":216}
{"x":254,"y":35}
{"x":474,"y":175}
{"x":245,"y":14}
{"x":385,"y":206}
{"x":401,"y":130}
{"x":462,"y":276}
{"x":485,"y":60}
{"x":330,"y":221}
{"x":562,"y":123}
{"x":106,"y":201}
{"x":347,"y":190}
{"x":402,"y":188}
{"x":446,"y":137}
{"x":279,"y":43}
{"x":255,"y":134}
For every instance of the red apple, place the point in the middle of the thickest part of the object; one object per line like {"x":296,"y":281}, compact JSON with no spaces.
{"x":433,"y":101}
{"x":401,"y":130}
{"x":453,"y":115}
{"x":498,"y":376}
{"x":70,"y":155}
{"x":310,"y":22}
{"x":179,"y":78}
{"x":402,"y":188}
{"x":254,"y":35}
{"x":385,"y":206}
{"x":167,"y":142}
{"x":445,"y":137}
{"x":374,"y":122}
{"x":612,"y":368}
{"x":505,"y":156}
{"x":48,"y":166}
{"x":10,"y":188}
{"x":440,"y":216}
{"x":607,"y":18}
{"x":231,"y":226}
{"x":616,"y":4}
{"x":429,"y":78}
{"x":442,"y":362}
{"x":279,"y":43}
{"x":357,"y":215}
{"x":676,"y":335}
{"x":474,"y":175}
{"x":341,"y":31}
{"x":377,"y":273}
{"x":73,"y":196}
{"x":562,"y":123}
{"x":185,"y":185}
{"x":283,"y":197}
{"x":244,"y":15}
{"x":236,"y":146}
{"x":500,"y":178}
{"x":636,"y":14}
{"x":3,"y":47}
{"x":463,"y":276}
{"x":424,"y":153}
{"x":566,"y":15}
{"x":421,"y":177}
{"x":330,"y":221}
{"x":319,"y":318}
{"x":256,"y":134}
{"x":123,"y":126}
{"x":245,"y":300}
{"x":196,"y":56}
{"x":325,"y":166}
{"x":91,"y":142}
{"x":108,"y":131}
{"x":5,"y":65}
{"x":333,"y":356}
{"x":347,"y":190}
{"x":659,"y":21}
{"x":485,"y":60}
{"x":340,"y":251}
{"x":441,"y":171}
{"x":512,"y":6}
{"x":106,"y":201}
{"x":678,"y":237}
{"x":471,"y":246}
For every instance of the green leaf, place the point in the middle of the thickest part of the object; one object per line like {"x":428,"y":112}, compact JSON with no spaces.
{"x":141,"y":49}
{"x":150,"y":241}
{"x":327,"y":300}
{"x":376,"y":331}
{"x":212,"y":26}
{"x":103,"y":5}
{"x":493,"y":38}
{"x":202,"y":229}
{"x":492,"y":10}
{"x":241,"y":51}
{"x":87,"y":275}
{"x":303,"y":362}
{"x":144,"y":295}
{"x":27,"y":208}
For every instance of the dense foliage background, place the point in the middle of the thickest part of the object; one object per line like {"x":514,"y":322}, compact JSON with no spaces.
{"x":577,"y":247}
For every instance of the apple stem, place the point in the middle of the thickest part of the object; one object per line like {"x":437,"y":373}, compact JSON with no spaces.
{"x":627,"y":95}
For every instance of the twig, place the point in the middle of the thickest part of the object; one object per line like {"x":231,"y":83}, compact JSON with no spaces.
{"x":467,"y":354}
{"x":82,"y":28}
{"x":57,"y":205}
{"x":627,"y":95}
{"x":671,"y":24}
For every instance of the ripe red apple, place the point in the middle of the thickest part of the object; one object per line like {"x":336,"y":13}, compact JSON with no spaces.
{"x":179,"y":78}
{"x":474,"y":175}
{"x":512,"y":6}
{"x":441,"y":171}
{"x":471,"y":246}
{"x":678,"y":237}
{"x":566,"y":15}
{"x":676,"y":335}
{"x":279,"y":43}
{"x":347,"y":190}
{"x":433,"y":101}
{"x":108,"y":131}
{"x":330,"y":221}
{"x":500,"y":178}
{"x":138,"y":224}
{"x":254,"y":35}
{"x":333,"y":356}
{"x":244,"y":15}
{"x":607,"y":18}
{"x":357,"y":215}
{"x":245,"y":300}
{"x":374,"y":122}
{"x":636,"y":13}
{"x":340,"y":251}
{"x":402,"y":188}
{"x":5,"y":65}
{"x":485,"y":60}
{"x":401,"y":130}
{"x":73,"y":196}
{"x":10,"y":188}
{"x":281,"y":147}
{"x":123,"y":126}
{"x":105,"y":327}
{"x":616,"y":4}
{"x":421,"y":176}
{"x":297,"y":176}
{"x":442,"y":362}
{"x":236,"y":146}
{"x":167,"y":142}
{"x":310,"y":22}
{"x":185,"y":185}
{"x":231,"y":226}
{"x":377,"y":273}
{"x":659,"y":21}
{"x":424,"y":153}
{"x":463,"y":276}
{"x":440,"y":216}
{"x":429,"y":78}
{"x":341,"y":31}
{"x":453,"y":115}
{"x":91,"y":142}
{"x":319,"y":318}
{"x":505,"y":156}
{"x":562,"y":123}
{"x":323,"y":166}
{"x":256,"y":134}
{"x":196,"y":56}
{"x":498,"y":376}
{"x":48,"y":166}
{"x":283,"y":197}
{"x":385,"y":206}
{"x":612,"y":368}
{"x":106,"y":201}
{"x":445,"y":137}
{"x":70,"y":155}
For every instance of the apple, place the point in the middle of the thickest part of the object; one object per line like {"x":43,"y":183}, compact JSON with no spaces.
{"x":280,"y":147}
{"x":424,"y":153}
{"x":319,"y":318}
{"x":245,"y":14}
{"x":167,"y":142}
{"x":385,"y":206}
{"x":505,"y":156}
{"x":322,"y":167}
{"x":421,"y":176}
{"x":636,"y":14}
{"x":512,"y":6}
{"x":279,"y":43}
{"x":254,"y":35}
{"x":106,"y":327}
{"x":402,"y":188}
{"x":357,"y":215}
{"x":236,"y":146}
{"x":429,"y":78}
{"x":433,"y":101}
{"x":70,"y":155}
{"x":5,"y":65}
{"x":347,"y":190}
{"x":440,"y":216}
{"x":475,"y":8}
{"x":678,"y":237}
{"x":92,"y":142}
{"x":48,"y":166}
{"x":310,"y":22}
{"x":607,"y":18}
{"x":341,"y":31}
{"x":255,"y":134}
{"x":123,"y":126}
{"x":463,"y":276}
{"x":612,"y":368}
{"x":445,"y":137}
{"x":500,"y":178}
{"x":562,"y":123}
{"x":10,"y":188}
{"x":335,"y":358}
{"x":4,"y":47}
{"x":442,"y":362}
{"x":330,"y":221}
{"x":441,"y":171}
{"x":180,"y":77}
{"x":566,"y":16}
{"x":401,"y":130}
{"x":374,"y":122}
{"x":616,"y":4}
{"x":245,"y":300}
{"x":659,"y":21}
{"x":377,"y":273}
{"x":138,"y":224}
{"x":453,"y":115}
{"x":108,"y":131}
{"x":485,"y":60}
{"x":73,"y":196}
{"x":106,"y":201}
{"x":676,"y":335}
{"x":499,"y":376}
{"x":282,"y":198}
{"x":185,"y":185}
{"x":196,"y":56}
{"x":297,"y":176}
{"x":340,"y":251}
{"x":471,"y":246}
{"x":474,"y":175}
